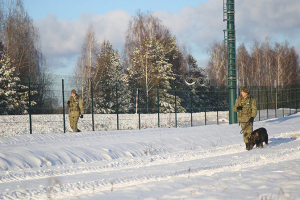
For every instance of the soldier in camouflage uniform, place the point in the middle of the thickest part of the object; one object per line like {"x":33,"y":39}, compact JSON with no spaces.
{"x":245,"y":106}
{"x":75,"y":106}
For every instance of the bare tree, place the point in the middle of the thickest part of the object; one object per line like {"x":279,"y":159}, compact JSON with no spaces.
{"x":21,"y":39}
{"x":142,"y":26}
{"x":294,"y":66}
{"x":287,"y":63}
{"x":86,"y":65}
{"x":216,"y":67}
{"x":21,"y":43}
{"x":257,"y":64}
{"x":243,"y":62}
{"x":145,"y":37}
{"x":269,"y":63}
{"x":264,"y":65}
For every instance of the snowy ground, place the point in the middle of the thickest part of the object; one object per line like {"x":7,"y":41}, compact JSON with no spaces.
{"x":13,"y":125}
{"x":204,"y":162}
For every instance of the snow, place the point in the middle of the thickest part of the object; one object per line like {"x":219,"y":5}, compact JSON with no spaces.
{"x":203,"y":162}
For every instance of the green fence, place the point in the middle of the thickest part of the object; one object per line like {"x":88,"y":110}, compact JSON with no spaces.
{"x":188,"y":107}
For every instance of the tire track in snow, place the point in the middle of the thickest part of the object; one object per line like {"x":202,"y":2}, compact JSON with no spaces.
{"x":136,"y":162}
{"x":154,"y":160}
{"x":182,"y":164}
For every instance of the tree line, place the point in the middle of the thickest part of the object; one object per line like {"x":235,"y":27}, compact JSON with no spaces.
{"x":21,"y":58}
{"x":151,"y":61}
{"x":263,"y":65}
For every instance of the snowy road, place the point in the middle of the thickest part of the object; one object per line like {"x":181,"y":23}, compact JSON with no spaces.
{"x":207,"y":162}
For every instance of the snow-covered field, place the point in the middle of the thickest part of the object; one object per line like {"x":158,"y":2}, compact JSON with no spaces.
{"x":201,"y":162}
{"x":13,"y":125}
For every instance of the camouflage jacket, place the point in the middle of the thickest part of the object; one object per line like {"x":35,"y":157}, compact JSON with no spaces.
{"x":249,"y":108}
{"x":75,"y":105}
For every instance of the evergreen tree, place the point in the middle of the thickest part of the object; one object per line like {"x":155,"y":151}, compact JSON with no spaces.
{"x":20,"y":41}
{"x":196,"y":83}
{"x":151,"y":69}
{"x":110,"y":80}
{"x":13,"y":95}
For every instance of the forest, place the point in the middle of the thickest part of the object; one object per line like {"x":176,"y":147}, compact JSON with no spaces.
{"x":167,"y":75}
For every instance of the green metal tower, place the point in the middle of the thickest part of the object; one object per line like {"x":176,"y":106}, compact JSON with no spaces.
{"x":229,"y":38}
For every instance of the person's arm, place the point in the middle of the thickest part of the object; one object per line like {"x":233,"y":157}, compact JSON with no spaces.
{"x":68,"y":103}
{"x":236,"y":106}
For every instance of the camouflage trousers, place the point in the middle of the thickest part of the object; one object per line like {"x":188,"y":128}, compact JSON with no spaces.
{"x":247,"y":129}
{"x":73,"y":122}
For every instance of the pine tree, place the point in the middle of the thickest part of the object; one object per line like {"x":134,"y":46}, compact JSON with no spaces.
{"x":151,"y":69}
{"x":110,"y":79}
{"x":13,"y":95}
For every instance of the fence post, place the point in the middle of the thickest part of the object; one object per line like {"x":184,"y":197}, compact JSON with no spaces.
{"x":282,"y":101}
{"x":92,"y":96}
{"x":290,"y":96}
{"x":139,"y":108}
{"x":258,"y":103}
{"x":29,"y":106}
{"x":158,"y":120}
{"x":117,"y":106}
{"x":175,"y":109}
{"x":191,"y":106}
{"x":205,"y":116}
{"x":63,"y":98}
{"x":217,"y":106}
{"x":296,"y":99}
{"x":276,"y":103}
{"x":267,"y":102}
{"x":136,"y":100}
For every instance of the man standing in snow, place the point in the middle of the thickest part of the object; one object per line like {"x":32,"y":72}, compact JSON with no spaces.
{"x":245,"y":106}
{"x":75,"y":106}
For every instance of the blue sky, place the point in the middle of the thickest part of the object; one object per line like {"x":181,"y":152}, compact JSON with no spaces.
{"x":72,"y":9}
{"x":62,"y":24}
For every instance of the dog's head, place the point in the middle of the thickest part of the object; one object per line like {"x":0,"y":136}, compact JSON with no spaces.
{"x":252,"y":139}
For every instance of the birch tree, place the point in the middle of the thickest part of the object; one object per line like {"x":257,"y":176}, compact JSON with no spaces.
{"x":152,"y":69}
{"x":242,"y":64}
{"x":110,"y":81}
{"x":21,"y":39}
{"x":86,"y":64}
{"x":21,"y":43}
{"x":264,"y":65}
{"x":143,"y":31}
{"x":216,"y":67}
{"x":142,"y":26}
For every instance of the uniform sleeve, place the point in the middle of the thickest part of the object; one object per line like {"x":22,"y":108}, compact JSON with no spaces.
{"x":81,"y":106}
{"x":236,"y":105}
{"x":68,"y":101}
{"x":254,"y":108}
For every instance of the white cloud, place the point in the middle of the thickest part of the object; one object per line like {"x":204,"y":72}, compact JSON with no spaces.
{"x":64,"y":37}
{"x":277,"y":19}
{"x":200,"y":26}
{"x":62,"y":40}
{"x":196,"y":27}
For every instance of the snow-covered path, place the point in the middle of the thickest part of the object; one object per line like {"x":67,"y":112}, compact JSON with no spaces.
{"x":206,"y":162}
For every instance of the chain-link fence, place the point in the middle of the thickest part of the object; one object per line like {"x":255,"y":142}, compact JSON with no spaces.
{"x":186,"y":107}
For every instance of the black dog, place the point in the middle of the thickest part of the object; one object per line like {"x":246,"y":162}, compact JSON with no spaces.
{"x":257,"y":137}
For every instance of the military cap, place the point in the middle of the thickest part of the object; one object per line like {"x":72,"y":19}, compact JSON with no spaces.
{"x":244,"y":89}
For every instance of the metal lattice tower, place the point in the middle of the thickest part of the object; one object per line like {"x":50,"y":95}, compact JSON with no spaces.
{"x":229,"y":38}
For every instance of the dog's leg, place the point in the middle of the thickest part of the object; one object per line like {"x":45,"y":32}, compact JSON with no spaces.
{"x":259,"y":145}
{"x":266,"y":140}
